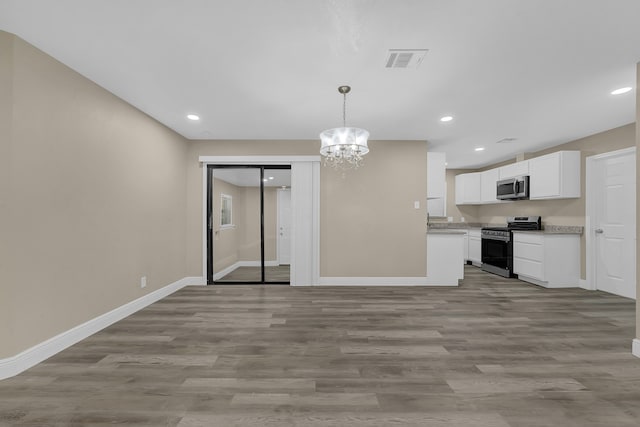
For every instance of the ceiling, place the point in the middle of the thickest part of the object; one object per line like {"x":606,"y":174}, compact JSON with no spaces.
{"x":539,"y":71}
{"x":249,"y":177}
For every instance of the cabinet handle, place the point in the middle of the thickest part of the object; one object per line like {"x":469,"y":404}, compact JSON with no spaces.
{"x":599,"y":231}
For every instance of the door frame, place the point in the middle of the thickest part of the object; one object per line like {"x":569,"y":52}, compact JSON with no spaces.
{"x":305,"y":211}
{"x":591,"y":209}
{"x":278,"y":211}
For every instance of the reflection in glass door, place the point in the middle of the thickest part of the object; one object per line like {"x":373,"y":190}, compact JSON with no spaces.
{"x":244,"y":233}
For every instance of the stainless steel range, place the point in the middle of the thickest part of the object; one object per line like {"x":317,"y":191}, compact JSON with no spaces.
{"x":497,"y":244}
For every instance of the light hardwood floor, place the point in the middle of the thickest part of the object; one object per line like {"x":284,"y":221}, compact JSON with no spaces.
{"x":494,"y":352}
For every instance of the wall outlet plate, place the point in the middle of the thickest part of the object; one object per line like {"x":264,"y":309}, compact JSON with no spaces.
{"x":143,"y":282}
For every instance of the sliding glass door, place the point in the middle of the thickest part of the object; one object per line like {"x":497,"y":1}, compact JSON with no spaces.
{"x":248,"y":233}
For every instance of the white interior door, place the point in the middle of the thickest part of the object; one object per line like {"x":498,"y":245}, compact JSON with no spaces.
{"x":615,"y":224}
{"x":284,"y":226}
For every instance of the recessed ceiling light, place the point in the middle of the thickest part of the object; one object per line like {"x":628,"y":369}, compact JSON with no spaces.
{"x":193,"y":117}
{"x":479,"y":148}
{"x":621,"y":90}
{"x":270,"y":177}
{"x":265,"y":179}
{"x":446,"y":118}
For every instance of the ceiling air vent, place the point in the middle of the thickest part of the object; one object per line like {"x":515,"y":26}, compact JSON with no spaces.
{"x":405,"y":58}
{"x":506,"y":140}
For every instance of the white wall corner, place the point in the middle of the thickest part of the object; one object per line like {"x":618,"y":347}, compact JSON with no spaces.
{"x":14,"y":365}
{"x":195,"y":281}
{"x":635,"y":347}
{"x":584,"y":284}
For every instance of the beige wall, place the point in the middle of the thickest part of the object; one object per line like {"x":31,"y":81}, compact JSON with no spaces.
{"x":95,"y":199}
{"x":368,"y":224}
{"x":365,"y":217}
{"x":6,"y":91}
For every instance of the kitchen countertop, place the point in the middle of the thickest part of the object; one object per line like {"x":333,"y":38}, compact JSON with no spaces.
{"x":547,"y":228}
{"x":556,"y":229}
{"x":445,"y":231}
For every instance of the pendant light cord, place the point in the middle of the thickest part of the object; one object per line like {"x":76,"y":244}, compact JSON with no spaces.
{"x":344,"y":110}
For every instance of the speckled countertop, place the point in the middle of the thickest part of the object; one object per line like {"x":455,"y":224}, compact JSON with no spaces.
{"x":546,"y":228}
{"x":445,"y":231}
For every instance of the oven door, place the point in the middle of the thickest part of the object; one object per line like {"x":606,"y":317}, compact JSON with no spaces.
{"x":497,"y":255}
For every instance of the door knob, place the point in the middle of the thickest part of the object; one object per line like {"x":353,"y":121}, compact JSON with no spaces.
{"x":599,"y":231}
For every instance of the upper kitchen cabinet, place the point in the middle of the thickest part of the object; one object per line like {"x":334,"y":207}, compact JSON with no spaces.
{"x":436,"y":183}
{"x":555,"y":176}
{"x":513,"y":170}
{"x":488,"y":191}
{"x":435,"y":175}
{"x":468,"y":189}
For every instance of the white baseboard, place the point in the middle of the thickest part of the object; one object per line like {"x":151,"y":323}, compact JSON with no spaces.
{"x":32,"y":356}
{"x":635,"y":347}
{"x":373,"y":281}
{"x":195,"y":281}
{"x":219,"y":275}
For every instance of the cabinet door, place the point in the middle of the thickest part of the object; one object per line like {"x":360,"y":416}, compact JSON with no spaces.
{"x":468,"y":188}
{"x":475,"y":246}
{"x":465,"y":248}
{"x":488,"y":186}
{"x":544,"y":180}
{"x":513,"y":170}
{"x":436,"y":175}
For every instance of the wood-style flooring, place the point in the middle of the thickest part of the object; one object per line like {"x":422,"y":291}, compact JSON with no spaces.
{"x":494,"y":352}
{"x":279,"y":273}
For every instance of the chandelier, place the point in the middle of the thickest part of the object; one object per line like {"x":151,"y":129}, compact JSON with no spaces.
{"x":344,"y":147}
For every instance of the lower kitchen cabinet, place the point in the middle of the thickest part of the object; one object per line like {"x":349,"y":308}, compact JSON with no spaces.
{"x":549,"y":260}
{"x":475,"y":247}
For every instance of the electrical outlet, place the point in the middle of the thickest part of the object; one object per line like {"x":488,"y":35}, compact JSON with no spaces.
{"x":143,"y":282}
{"x":416,"y":204}
{"x":461,"y":219}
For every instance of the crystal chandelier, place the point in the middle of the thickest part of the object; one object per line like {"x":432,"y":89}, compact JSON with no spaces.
{"x":344,"y":147}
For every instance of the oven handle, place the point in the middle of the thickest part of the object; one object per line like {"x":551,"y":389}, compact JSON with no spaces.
{"x":502,"y":239}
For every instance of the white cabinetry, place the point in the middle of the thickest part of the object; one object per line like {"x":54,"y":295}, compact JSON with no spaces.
{"x":475,"y":247}
{"x":513,"y":170}
{"x":436,"y":184}
{"x":435,"y":175}
{"x":549,"y":260}
{"x":445,"y":266}
{"x":555,"y":175}
{"x":488,"y":186}
{"x":468,"y":188}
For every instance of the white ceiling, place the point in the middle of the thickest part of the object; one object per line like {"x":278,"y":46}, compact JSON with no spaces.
{"x":539,"y":71}
{"x":249,"y":177}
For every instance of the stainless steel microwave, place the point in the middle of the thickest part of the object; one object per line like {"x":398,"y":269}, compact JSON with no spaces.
{"x":513,"y":188}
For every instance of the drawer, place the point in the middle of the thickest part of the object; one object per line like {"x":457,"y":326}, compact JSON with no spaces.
{"x":528,"y":268}
{"x":532,"y":238}
{"x":530,"y":251}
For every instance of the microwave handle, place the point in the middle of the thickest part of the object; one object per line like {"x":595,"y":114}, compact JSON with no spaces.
{"x":515,"y":186}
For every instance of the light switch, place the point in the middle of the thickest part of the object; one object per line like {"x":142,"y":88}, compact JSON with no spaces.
{"x":416,"y":204}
